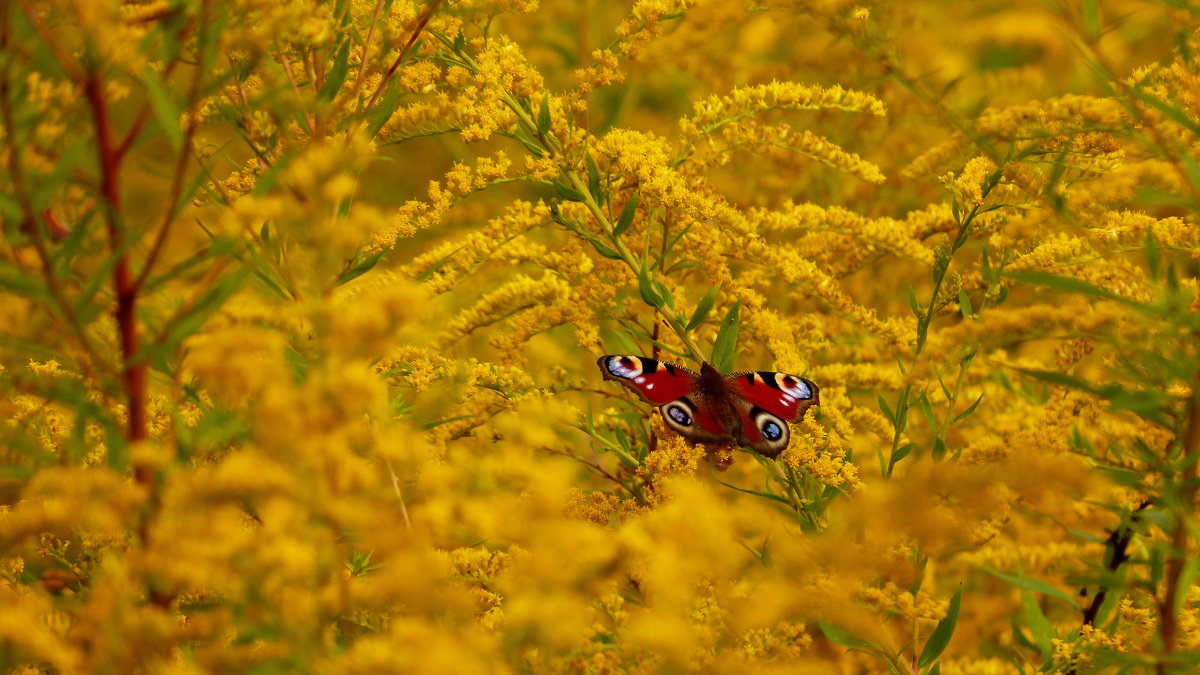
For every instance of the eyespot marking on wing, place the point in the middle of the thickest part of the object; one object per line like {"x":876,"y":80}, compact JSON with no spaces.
{"x":627,"y":367}
{"x":678,"y":414}
{"x":774,"y":431}
{"x":788,"y":384}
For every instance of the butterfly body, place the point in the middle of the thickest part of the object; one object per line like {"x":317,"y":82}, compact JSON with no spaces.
{"x":750,"y":408}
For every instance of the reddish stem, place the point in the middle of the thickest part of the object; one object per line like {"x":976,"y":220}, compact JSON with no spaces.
{"x":134,"y":374}
{"x":422,"y":20}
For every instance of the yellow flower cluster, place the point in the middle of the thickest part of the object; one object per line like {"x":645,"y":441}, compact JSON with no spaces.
{"x":717,"y":111}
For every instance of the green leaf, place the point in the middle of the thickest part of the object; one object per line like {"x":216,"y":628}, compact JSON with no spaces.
{"x":384,"y":109}
{"x":900,"y":453}
{"x":190,"y":320}
{"x":927,"y":410}
{"x":703,"y":307}
{"x":1061,"y":380}
{"x":626,"y":218}
{"x":1186,"y":576}
{"x":671,"y":244}
{"x":298,"y":364}
{"x":647,"y":288}
{"x":567,"y":193}
{"x":1092,"y":22}
{"x":1148,"y":404}
{"x":964,"y":304}
{"x":939,"y":448}
{"x":543,"y":118}
{"x":901,"y":421}
{"x":166,"y":113}
{"x":663,"y":292}
{"x":941,"y":635}
{"x":604,"y":250}
{"x":626,"y":344}
{"x":887,"y":409}
{"x":1152,"y":258}
{"x":758,"y":493}
{"x":593,"y":173}
{"x":337,"y":74}
{"x":985,"y":268}
{"x":264,"y":233}
{"x":358,"y":267}
{"x":1067,"y":285}
{"x":1038,"y":585}
{"x":18,"y":281}
{"x":1039,"y":626}
{"x":765,"y":556}
{"x":913,"y":303}
{"x":10,"y":209}
{"x":968,"y":411}
{"x":725,"y":346}
{"x":838,"y":636}
{"x":528,"y":141}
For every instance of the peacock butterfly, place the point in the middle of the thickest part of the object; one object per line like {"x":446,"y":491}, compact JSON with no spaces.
{"x":751,"y":408}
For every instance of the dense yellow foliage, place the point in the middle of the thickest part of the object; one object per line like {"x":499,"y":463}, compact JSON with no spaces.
{"x":300,"y":304}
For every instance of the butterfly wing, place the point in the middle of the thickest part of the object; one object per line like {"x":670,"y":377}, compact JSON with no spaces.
{"x":676,"y":391}
{"x":766,"y":401}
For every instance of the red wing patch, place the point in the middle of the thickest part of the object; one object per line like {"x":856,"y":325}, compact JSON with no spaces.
{"x":656,"y":382}
{"x":785,"y":396}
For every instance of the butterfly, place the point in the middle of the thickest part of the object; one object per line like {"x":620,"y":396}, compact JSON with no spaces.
{"x":750,"y":408}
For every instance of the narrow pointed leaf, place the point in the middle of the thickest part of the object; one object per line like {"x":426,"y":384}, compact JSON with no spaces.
{"x":337,"y":74}
{"x":725,"y":346}
{"x":941,"y":635}
{"x":703,"y":307}
{"x":593,"y":174}
{"x":384,"y":109}
{"x":757,"y":493}
{"x":604,"y":250}
{"x":543,"y":119}
{"x":964,"y":304}
{"x":838,"y":636}
{"x":887,"y":409}
{"x":626,"y":218}
{"x":1067,"y":285}
{"x":1038,"y":585}
{"x":166,"y":113}
{"x":969,"y":410}
{"x":646,"y":288}
{"x":1039,"y":626}
{"x":567,"y":193}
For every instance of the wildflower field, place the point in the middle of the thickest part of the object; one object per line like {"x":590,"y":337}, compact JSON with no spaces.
{"x":301,"y":305}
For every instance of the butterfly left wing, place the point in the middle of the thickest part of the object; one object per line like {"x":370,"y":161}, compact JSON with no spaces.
{"x":685,"y":406}
{"x":656,"y":382}
{"x":766,"y":402}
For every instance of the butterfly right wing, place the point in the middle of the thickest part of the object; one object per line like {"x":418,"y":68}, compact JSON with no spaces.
{"x":766,"y":402}
{"x":673,"y":389}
